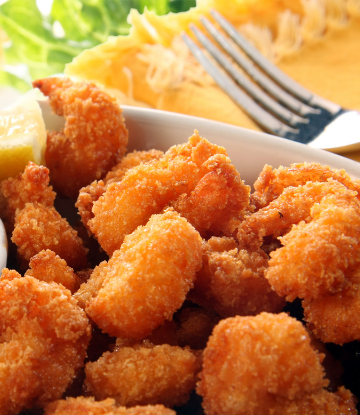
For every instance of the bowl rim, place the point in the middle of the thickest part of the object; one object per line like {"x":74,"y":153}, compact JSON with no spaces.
{"x":3,"y":246}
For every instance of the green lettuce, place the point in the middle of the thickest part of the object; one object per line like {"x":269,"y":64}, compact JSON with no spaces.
{"x":42,"y":44}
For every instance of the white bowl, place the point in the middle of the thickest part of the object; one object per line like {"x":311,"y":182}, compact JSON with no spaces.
{"x":3,"y":246}
{"x":248,"y":150}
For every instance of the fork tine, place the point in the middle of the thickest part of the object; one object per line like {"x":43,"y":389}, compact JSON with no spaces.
{"x":266,"y":83}
{"x":263,"y":118}
{"x":251,"y":88}
{"x":272,"y":70}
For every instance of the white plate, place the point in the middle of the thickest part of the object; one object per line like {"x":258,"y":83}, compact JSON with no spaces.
{"x":248,"y":150}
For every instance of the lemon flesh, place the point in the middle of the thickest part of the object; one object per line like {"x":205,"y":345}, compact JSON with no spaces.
{"x":22,"y":135}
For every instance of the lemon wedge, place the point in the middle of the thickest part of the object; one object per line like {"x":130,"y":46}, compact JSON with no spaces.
{"x":22,"y":134}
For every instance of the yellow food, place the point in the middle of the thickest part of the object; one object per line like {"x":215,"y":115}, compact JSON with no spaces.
{"x":22,"y":135}
{"x":316,"y":42}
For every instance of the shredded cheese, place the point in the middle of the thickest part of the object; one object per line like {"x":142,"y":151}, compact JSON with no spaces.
{"x":336,"y":13}
{"x":353,"y":7}
{"x":169,"y":68}
{"x":313,"y":24}
{"x":260,"y":37}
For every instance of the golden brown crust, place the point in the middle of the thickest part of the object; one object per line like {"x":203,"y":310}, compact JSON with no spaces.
{"x":38,"y":227}
{"x":91,"y":193}
{"x":94,"y":137}
{"x":319,"y":257}
{"x":272,"y":182}
{"x":49,"y":267}
{"x":252,"y":362}
{"x":144,"y":374}
{"x":141,"y":286}
{"x":232,"y":282}
{"x":88,"y":406}
{"x":30,"y":186}
{"x":149,"y":188}
{"x":44,"y":336}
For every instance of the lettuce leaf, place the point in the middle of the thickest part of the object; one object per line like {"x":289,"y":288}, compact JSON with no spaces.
{"x":44,"y":43}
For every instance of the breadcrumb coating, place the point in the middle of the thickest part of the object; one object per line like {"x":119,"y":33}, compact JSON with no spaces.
{"x":38,"y":227}
{"x":253,"y":364}
{"x":43,"y":341}
{"x":144,"y":374}
{"x":30,"y":186}
{"x":272,"y":182}
{"x":147,"y":280}
{"x":334,"y":318}
{"x":49,"y":267}
{"x":162,"y":374}
{"x":319,"y":257}
{"x":232,"y":282}
{"x":91,"y":193}
{"x":88,"y":406}
{"x":147,"y":189}
{"x":291,"y":207}
{"x":219,"y":197}
{"x":94,"y":137}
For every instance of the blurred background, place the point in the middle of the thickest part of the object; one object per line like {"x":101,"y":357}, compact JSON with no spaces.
{"x":38,"y":37}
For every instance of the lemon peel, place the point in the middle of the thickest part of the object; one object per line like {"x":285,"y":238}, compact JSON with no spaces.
{"x":22,"y":134}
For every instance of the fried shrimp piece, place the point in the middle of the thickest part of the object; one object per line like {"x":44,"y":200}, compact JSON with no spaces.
{"x":334,"y":318}
{"x":49,"y":267}
{"x":263,"y":365}
{"x":38,"y":227}
{"x":144,"y":374}
{"x":30,"y":186}
{"x":319,"y":257}
{"x":147,"y":189}
{"x":218,"y":198}
{"x":44,"y":336}
{"x":147,"y":280}
{"x":291,"y":207}
{"x":88,"y":406}
{"x":321,"y":402}
{"x":94,"y":137}
{"x":272,"y":182}
{"x":91,"y":193}
{"x":232,"y":282}
{"x":133,"y":159}
{"x":85,"y":201}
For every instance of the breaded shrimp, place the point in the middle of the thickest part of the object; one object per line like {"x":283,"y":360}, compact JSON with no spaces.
{"x":147,"y":189}
{"x":265,"y":365}
{"x":272,"y":182}
{"x":91,"y":193}
{"x":147,"y":280}
{"x":322,"y":402}
{"x":88,"y":406}
{"x":144,"y":374}
{"x":319,"y":257}
{"x":218,"y":198}
{"x":49,"y":267}
{"x":291,"y":207}
{"x":94,"y":137}
{"x":334,"y":318}
{"x":38,"y":227}
{"x":232,"y":282}
{"x":44,"y":336}
{"x":130,"y":160}
{"x":30,"y":186}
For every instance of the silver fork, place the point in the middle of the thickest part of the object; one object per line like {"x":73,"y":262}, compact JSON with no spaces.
{"x":272,"y":99}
